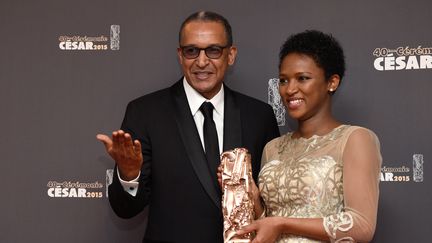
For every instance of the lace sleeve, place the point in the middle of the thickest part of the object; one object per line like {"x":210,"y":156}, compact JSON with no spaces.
{"x":270,"y":151}
{"x":361,"y":167}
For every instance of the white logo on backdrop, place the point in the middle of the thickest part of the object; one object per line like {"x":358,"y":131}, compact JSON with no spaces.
{"x":418,"y":167}
{"x":402,"y":173}
{"x":115,"y":37}
{"x":275,"y":101}
{"x":109,"y":179}
{"x":91,"y":43}
{"x":402,"y":58}
{"x":74,"y":189}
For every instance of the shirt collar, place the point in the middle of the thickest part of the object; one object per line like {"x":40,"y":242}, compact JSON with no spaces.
{"x":195,"y":99}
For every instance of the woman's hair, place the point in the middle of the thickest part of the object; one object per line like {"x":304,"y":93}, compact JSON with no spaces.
{"x":322,"y":48}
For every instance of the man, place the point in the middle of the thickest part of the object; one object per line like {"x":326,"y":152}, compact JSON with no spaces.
{"x":168,"y":165}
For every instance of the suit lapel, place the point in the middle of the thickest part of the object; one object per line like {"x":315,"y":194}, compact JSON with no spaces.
{"x":192,"y":143}
{"x":232,"y":122}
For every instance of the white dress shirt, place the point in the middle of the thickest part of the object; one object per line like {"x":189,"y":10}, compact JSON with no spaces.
{"x":195,"y":101}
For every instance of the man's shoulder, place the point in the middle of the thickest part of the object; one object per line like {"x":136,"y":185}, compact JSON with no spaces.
{"x":161,"y":95}
{"x":151,"y":97}
{"x":246,"y":100}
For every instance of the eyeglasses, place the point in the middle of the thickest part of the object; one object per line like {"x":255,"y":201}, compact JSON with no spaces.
{"x":192,"y":52}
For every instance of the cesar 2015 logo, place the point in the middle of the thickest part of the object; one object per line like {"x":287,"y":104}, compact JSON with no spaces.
{"x":76,"y":42}
{"x":68,"y":189}
{"x":402,"y":174}
{"x":402,"y":58}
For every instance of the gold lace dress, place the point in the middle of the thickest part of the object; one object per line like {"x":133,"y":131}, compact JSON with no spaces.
{"x":334,"y":177}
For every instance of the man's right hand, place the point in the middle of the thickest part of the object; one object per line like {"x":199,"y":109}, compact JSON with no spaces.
{"x":126,"y":153}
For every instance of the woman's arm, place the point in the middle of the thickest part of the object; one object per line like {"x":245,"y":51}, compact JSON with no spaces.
{"x":362,"y":162}
{"x":362,"y":165}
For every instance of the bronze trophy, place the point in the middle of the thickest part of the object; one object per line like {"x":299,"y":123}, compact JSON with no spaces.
{"x":237,"y":203}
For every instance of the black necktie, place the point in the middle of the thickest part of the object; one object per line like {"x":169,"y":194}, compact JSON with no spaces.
{"x":210,"y":138}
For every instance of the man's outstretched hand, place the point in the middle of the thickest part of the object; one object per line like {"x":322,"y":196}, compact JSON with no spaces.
{"x":126,"y":153}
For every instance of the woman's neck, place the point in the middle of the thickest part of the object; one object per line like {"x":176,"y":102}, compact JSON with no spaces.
{"x":316,"y":126}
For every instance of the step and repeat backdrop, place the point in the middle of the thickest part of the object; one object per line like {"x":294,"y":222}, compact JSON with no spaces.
{"x":68,"y":69}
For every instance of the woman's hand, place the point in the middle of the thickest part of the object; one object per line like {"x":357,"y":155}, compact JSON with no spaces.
{"x":267,"y":229}
{"x":256,"y":197}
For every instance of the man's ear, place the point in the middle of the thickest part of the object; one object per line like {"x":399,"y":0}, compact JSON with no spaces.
{"x":180,"y":55}
{"x":232,"y":54}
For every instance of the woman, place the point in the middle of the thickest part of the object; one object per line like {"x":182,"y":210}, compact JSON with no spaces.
{"x":320,"y":182}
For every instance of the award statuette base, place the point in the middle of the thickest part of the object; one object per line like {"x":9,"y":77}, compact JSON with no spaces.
{"x":237,"y":203}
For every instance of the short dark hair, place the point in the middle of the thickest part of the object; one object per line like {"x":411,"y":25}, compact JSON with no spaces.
{"x":323,"y":48}
{"x":207,"y":16}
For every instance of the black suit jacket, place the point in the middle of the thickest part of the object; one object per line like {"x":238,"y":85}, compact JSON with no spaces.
{"x":185,"y":202}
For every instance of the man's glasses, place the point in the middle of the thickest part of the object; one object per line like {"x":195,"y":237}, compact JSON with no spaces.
{"x":192,"y":52}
